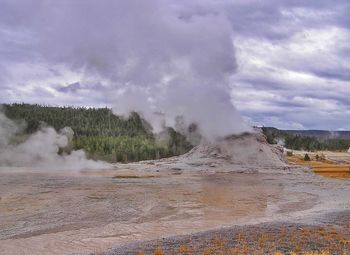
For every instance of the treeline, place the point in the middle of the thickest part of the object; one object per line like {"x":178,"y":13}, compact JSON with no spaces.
{"x":302,"y":142}
{"x":100,"y":133}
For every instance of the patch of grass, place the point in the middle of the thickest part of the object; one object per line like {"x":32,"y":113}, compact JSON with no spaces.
{"x":327,"y":240}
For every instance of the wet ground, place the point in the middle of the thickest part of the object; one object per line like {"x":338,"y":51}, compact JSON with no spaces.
{"x":71,"y":212}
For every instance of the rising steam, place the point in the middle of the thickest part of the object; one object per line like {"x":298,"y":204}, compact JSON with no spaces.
{"x":146,"y":56}
{"x":40,"y":150}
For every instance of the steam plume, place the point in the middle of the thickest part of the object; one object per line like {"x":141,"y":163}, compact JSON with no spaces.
{"x":147,"y":56}
{"x":40,"y":150}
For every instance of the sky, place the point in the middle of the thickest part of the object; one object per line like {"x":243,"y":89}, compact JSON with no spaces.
{"x":279,"y":63}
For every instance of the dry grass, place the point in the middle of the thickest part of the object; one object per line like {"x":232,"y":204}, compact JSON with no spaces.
{"x":298,"y":241}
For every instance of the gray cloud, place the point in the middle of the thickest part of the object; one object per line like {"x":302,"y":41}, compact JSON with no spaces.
{"x":304,"y":72}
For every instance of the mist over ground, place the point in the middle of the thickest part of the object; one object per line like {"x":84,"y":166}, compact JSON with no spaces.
{"x":41,"y":149}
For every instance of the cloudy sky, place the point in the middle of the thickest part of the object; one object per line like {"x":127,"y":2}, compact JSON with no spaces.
{"x":280,"y":63}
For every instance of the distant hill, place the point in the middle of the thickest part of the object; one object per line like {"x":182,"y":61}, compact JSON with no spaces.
{"x":310,"y":140}
{"x":324,"y":134}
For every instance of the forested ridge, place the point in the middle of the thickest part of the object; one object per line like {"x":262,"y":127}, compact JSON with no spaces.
{"x":308,"y":140}
{"x":103,"y":135}
{"x":100,"y":133}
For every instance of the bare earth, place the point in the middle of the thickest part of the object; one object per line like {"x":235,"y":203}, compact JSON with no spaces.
{"x":64,"y":212}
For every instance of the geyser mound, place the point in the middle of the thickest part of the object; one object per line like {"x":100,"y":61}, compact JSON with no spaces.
{"x":247,"y":150}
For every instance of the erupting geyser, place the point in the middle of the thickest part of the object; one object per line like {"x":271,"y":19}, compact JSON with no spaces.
{"x":152,"y":57}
